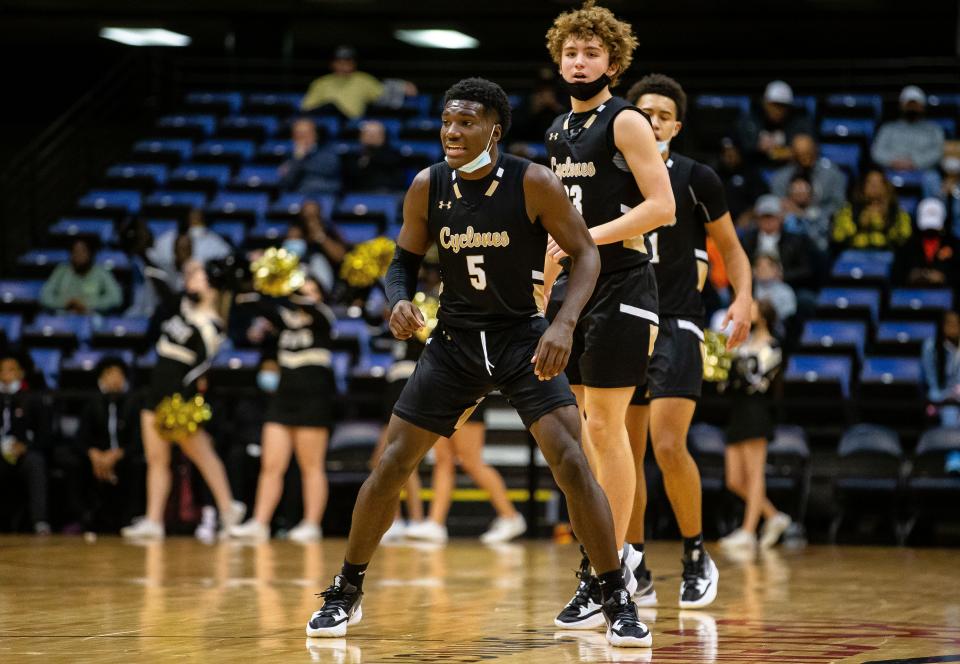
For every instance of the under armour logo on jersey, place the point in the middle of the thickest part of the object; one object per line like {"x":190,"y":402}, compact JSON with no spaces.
{"x":445,"y":205}
{"x":554,"y":135}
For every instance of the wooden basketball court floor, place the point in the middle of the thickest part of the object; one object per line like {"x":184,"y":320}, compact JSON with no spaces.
{"x":67,"y":600}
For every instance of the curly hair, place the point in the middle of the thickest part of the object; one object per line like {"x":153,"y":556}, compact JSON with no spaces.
{"x":483,"y":92}
{"x":659,"y":84}
{"x":591,"y":21}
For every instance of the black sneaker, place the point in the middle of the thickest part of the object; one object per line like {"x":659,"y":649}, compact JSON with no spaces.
{"x":624,"y":628}
{"x":645,"y":594}
{"x":700,"y":577}
{"x":585,"y":610}
{"x":341,"y":607}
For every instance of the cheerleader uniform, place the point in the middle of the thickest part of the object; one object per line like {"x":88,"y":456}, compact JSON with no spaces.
{"x":753,"y":373}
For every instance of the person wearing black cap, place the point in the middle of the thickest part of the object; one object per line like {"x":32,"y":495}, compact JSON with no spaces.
{"x":345,"y":91}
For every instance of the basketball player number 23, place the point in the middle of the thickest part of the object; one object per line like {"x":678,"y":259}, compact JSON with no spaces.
{"x":478,"y":278}
{"x":575,"y":193}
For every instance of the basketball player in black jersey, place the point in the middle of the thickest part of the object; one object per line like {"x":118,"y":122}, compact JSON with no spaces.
{"x":490,"y":214}
{"x":665,"y":402}
{"x":605,"y":153}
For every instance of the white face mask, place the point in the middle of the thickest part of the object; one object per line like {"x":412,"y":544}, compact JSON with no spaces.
{"x":950,"y":165}
{"x":481,"y":160}
{"x":10,"y":388}
{"x":663,"y":146}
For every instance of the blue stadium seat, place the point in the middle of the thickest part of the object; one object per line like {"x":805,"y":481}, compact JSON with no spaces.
{"x":328,"y":126}
{"x":351,"y":128}
{"x":924,"y":303}
{"x":823,"y":376}
{"x":834,"y":336}
{"x":282,"y":103}
{"x":19,"y":294}
{"x":432,"y":151}
{"x":139,"y":176}
{"x":948,"y":102}
{"x":59,"y":330}
{"x":949,"y":126}
{"x":234,"y":151}
{"x":247,"y":205}
{"x":236,"y":359}
{"x":417,"y":129}
{"x":194,"y":126}
{"x":844,"y":155}
{"x":357,"y":233}
{"x":76,"y":371}
{"x":234,"y":232}
{"x":11,"y":324}
{"x":147,"y":360}
{"x":257,"y":177}
{"x":41,"y":262}
{"x":288,"y":205}
{"x":861,"y":105}
{"x":351,"y":335}
{"x":909,"y":204}
{"x":119,"y":331}
{"x":341,"y":370}
{"x":174,"y":202}
{"x":900,"y":337}
{"x":807,"y":104}
{"x":167,"y":150}
{"x":906,"y":180}
{"x":855,"y":265}
{"x":364,"y":206}
{"x":411,"y":106}
{"x":47,"y":361}
{"x":208,"y":178}
{"x":849,"y":302}
{"x":254,"y":127}
{"x":274,"y":151}
{"x":891,"y":371}
{"x":740,"y":102}
{"x":218,"y":102}
{"x":123,"y":201}
{"x":66,"y":229}
{"x":343,"y":147}
{"x":113,"y":260}
{"x":160,"y":226}
{"x":267,"y":234}
{"x":847,"y":128}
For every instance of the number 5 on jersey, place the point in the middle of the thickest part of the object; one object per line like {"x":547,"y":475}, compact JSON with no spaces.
{"x":478,"y":278}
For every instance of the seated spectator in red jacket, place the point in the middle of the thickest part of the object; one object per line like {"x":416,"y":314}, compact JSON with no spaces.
{"x":930,"y":256}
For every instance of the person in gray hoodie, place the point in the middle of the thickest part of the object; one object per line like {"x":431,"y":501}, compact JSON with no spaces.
{"x":911,"y":143}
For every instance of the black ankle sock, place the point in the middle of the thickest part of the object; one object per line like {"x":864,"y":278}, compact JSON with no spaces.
{"x":637,"y":546}
{"x":354,"y":573}
{"x":692,"y":543}
{"x":610,"y":582}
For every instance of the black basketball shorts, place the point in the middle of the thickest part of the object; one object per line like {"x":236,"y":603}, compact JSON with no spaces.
{"x":614,"y":336}
{"x":676,"y":366}
{"x":459,"y":367}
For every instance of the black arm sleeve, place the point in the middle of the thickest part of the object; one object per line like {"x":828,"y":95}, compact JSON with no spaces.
{"x":708,"y":190}
{"x":401,"y":280}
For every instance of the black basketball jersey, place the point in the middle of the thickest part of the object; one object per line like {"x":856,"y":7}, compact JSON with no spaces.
{"x":188,"y":341}
{"x":679,"y":250}
{"x":596,"y":176}
{"x":491,"y":253}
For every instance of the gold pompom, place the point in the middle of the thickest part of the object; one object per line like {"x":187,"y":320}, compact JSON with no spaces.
{"x":367,"y":262}
{"x":277,"y":273}
{"x":717,"y":359}
{"x":429,"y":306}
{"x":177,"y":418}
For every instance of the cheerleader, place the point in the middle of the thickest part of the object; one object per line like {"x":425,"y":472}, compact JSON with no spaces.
{"x":300,"y":412}
{"x":189,"y":339}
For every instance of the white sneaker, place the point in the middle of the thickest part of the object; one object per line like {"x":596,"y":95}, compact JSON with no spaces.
{"x":206,"y":530}
{"x":143,"y":528}
{"x":305,"y":533}
{"x":505,"y":529}
{"x":251,"y":530}
{"x":739,"y":539}
{"x":773,"y":528}
{"x":397,"y":531}
{"x":233,"y":517}
{"x":428,"y":531}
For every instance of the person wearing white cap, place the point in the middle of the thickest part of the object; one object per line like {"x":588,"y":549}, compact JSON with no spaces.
{"x":911,"y":143}
{"x":765,"y":136}
{"x":770,"y":238}
{"x":931,"y":257}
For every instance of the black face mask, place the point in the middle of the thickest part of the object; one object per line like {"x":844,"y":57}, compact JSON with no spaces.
{"x":82,"y":268}
{"x":912,"y":115}
{"x":585,"y":91}
{"x":192,"y":297}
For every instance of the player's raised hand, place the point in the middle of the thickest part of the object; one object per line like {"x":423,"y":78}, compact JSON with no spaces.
{"x":405,"y":319}
{"x":739,"y":313}
{"x":553,"y":351}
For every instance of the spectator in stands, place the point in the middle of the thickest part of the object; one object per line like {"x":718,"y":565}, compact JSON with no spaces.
{"x":106,"y":437}
{"x":321,"y":235}
{"x":950,"y":185}
{"x":803,"y":216}
{"x":911,"y":143}
{"x":768,"y":286}
{"x":23,"y":441}
{"x":345,"y":91}
{"x":930,"y":257}
{"x":532,"y":119}
{"x":792,"y":250}
{"x":312,"y":169}
{"x":741,"y":181}
{"x":941,"y":370}
{"x":829,"y":182}
{"x":193,"y":240}
{"x":874,"y":218}
{"x":766,"y":136}
{"x":81,"y":286}
{"x":311,"y":256}
{"x":377,"y":166}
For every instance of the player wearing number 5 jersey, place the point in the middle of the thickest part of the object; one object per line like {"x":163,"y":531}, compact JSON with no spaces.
{"x":489,"y":215}
{"x":605,"y":153}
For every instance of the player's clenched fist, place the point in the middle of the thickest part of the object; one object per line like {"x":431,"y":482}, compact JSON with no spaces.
{"x":405,"y":319}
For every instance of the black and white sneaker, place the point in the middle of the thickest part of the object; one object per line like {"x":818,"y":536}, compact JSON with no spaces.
{"x":645,"y":594}
{"x":700,"y":577}
{"x":341,"y":607}
{"x":585,"y":609}
{"x":624,"y":628}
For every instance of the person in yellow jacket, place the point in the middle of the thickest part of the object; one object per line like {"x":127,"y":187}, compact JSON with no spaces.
{"x":346,"y":89}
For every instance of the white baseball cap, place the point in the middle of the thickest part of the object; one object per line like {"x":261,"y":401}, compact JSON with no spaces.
{"x":913,"y":93}
{"x":931,"y":213}
{"x":778,"y":92}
